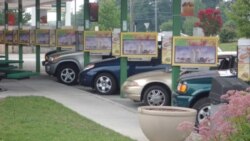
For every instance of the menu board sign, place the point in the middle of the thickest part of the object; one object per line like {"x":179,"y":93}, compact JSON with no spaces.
{"x":139,"y":44}
{"x":195,"y":51}
{"x":66,"y":38}
{"x":97,"y":41}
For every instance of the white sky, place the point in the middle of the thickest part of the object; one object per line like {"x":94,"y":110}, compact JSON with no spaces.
{"x":52,"y":15}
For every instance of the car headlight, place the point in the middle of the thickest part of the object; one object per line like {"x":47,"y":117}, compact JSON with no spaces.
{"x":53,"y":58}
{"x":90,"y":66}
{"x":46,"y":58}
{"x":182,"y":87}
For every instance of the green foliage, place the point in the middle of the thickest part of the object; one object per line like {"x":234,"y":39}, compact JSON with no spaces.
{"x":144,"y":12}
{"x":188,"y":24}
{"x":228,"y":32}
{"x":40,"y":119}
{"x":242,"y":125}
{"x":1,"y":18}
{"x":109,"y":15}
{"x":167,"y":26}
{"x":211,"y":3}
{"x":198,"y":6}
{"x":77,"y":19}
{"x":240,"y":15}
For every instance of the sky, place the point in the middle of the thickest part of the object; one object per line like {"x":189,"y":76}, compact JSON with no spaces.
{"x":78,"y":3}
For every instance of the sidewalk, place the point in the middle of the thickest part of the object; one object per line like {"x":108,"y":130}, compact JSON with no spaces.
{"x":102,"y":110}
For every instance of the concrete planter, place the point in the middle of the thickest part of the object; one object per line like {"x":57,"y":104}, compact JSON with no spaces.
{"x":160,"y":123}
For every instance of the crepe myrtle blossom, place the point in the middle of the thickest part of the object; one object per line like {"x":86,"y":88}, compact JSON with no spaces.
{"x":210,"y":21}
{"x":231,"y":122}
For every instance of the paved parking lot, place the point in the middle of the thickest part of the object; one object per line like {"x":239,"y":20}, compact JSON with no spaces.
{"x":111,"y":111}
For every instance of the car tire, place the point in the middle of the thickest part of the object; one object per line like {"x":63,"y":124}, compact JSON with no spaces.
{"x":105,"y":84}
{"x":67,"y":74}
{"x":156,"y":96}
{"x":203,"y":108}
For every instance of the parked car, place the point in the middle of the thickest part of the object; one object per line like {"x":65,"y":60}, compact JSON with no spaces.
{"x":66,"y":65}
{"x":154,"y":87}
{"x":193,"y":88}
{"x":104,"y":76}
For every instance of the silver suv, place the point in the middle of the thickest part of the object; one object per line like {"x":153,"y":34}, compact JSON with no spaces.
{"x":65,"y":65}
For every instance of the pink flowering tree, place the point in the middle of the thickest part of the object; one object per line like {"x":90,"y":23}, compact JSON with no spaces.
{"x":210,"y":21}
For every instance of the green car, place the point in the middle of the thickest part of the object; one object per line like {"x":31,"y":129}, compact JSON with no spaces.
{"x":194,"y":88}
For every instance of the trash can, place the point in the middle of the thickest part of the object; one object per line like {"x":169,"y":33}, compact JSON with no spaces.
{"x":220,"y":85}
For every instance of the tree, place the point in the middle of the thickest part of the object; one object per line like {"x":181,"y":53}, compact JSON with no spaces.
{"x":240,"y":14}
{"x":144,"y":12}
{"x":167,"y":26}
{"x":228,"y":32}
{"x":211,"y":3}
{"x":26,"y":17}
{"x":188,"y":24}
{"x":210,"y":21}
{"x":77,"y":19}
{"x":109,"y":15}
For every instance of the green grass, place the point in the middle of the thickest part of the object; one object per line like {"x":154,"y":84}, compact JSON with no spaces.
{"x":228,"y":46}
{"x":40,"y":119}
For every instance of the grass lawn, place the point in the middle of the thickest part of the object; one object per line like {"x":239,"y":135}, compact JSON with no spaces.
{"x":228,"y":46}
{"x":40,"y":119}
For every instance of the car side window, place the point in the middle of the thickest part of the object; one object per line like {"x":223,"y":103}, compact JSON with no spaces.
{"x":224,"y":64}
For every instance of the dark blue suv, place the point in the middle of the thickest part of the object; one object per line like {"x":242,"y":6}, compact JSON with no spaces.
{"x":104,"y":76}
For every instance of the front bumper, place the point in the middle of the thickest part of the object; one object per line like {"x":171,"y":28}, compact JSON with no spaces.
{"x":132,"y":92}
{"x":86,"y":79}
{"x":180,"y":100}
{"x":50,"y":68}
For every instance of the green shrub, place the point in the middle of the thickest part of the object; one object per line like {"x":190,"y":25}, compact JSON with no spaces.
{"x":227,"y":34}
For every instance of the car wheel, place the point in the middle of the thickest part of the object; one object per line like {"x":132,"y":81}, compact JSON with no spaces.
{"x":203,"y":108}
{"x":105,"y":84}
{"x":156,"y":96}
{"x":67,"y":74}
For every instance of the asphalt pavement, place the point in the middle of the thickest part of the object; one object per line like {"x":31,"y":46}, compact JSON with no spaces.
{"x":112,"y":111}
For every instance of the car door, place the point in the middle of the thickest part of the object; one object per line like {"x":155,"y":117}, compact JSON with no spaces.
{"x":136,"y":67}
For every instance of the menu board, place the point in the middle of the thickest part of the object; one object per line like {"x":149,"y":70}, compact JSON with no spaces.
{"x":166,"y":50}
{"x":116,"y":44}
{"x":9,"y":36}
{"x":244,"y":59}
{"x":33,"y":37}
{"x":24,"y":37}
{"x":53,"y":37}
{"x":195,"y":51}
{"x":2,"y":37}
{"x":43,"y":37}
{"x":97,"y":41}
{"x":15,"y":37}
{"x":139,"y":44}
{"x":66,"y":38}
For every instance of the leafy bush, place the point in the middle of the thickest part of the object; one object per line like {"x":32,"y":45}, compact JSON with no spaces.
{"x":227,"y":34}
{"x":240,"y":15}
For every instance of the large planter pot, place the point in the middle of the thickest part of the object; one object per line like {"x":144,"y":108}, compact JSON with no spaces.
{"x":160,"y":123}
